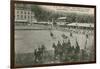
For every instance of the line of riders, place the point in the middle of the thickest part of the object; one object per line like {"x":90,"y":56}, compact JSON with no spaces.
{"x":62,"y":52}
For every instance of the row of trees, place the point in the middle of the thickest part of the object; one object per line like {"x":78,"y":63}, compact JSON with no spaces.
{"x":46,"y":15}
{"x":80,"y":18}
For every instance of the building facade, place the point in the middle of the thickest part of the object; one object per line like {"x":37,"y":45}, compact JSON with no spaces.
{"x":24,"y":14}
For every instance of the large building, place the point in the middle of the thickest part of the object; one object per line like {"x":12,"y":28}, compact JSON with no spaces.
{"x":24,"y":14}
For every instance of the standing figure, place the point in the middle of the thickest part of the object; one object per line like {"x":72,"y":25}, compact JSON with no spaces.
{"x":55,"y":51}
{"x":60,"y":51}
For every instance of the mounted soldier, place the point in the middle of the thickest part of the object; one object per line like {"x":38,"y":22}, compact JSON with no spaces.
{"x":60,"y":51}
{"x":35,"y":56}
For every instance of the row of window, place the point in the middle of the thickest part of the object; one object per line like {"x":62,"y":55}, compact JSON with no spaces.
{"x":23,"y":12}
{"x":24,"y":17}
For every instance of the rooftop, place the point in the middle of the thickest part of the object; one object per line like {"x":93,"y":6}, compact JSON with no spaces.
{"x":62,"y":18}
{"x":82,"y":24}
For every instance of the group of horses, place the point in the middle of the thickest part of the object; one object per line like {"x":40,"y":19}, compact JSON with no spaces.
{"x":39,"y":53}
{"x":64,"y":51}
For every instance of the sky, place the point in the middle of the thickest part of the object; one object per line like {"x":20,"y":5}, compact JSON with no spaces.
{"x":68,"y":9}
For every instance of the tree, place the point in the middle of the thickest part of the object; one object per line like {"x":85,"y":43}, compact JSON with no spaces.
{"x":40,"y":13}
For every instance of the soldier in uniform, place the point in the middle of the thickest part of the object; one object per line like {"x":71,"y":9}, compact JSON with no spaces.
{"x":35,"y":55}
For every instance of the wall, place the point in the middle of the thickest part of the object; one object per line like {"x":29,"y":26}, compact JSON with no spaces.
{"x":5,"y":34}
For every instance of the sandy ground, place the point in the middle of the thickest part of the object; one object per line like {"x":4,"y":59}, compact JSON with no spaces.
{"x":28,"y":40}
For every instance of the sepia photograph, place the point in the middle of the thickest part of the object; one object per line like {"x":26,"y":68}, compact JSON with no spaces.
{"x":45,"y":33}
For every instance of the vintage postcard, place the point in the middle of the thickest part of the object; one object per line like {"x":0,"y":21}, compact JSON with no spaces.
{"x":47,"y":34}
